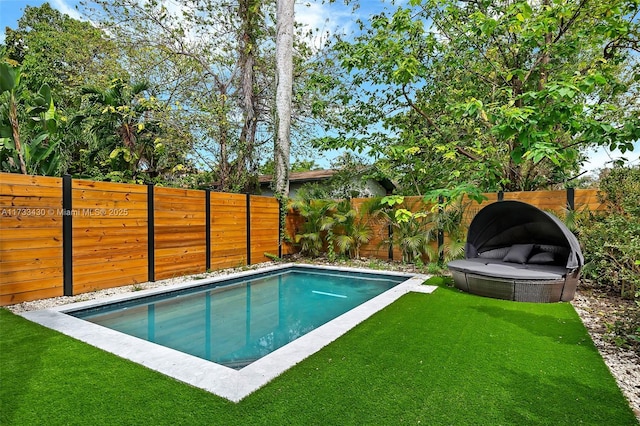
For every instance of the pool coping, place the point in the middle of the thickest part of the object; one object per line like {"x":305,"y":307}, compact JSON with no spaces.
{"x":225,"y":382}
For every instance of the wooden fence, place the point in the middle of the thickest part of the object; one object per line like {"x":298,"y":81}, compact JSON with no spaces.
{"x":62,"y":236}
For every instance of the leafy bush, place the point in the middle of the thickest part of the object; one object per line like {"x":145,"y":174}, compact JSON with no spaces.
{"x":611,"y":241}
{"x":611,"y":249}
{"x":611,"y":238}
{"x":330,"y":225}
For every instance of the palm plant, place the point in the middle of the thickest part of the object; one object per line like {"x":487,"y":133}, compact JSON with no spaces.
{"x":448,"y":219}
{"x":314,"y":212}
{"x":351,"y":229}
{"x":412,"y":231}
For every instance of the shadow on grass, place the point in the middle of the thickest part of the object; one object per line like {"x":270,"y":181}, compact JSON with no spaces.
{"x":560,"y":329}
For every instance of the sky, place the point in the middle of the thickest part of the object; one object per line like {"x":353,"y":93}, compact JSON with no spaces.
{"x":328,"y":17}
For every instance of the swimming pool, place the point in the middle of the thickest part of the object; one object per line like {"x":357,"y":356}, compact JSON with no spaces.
{"x":231,"y":383}
{"x":236,"y":322}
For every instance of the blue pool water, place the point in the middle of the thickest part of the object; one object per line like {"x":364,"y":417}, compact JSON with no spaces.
{"x":236,"y":322}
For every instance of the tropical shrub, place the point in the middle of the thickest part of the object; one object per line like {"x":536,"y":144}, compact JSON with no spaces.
{"x":611,"y":241}
{"x":331,"y":225}
{"x":349,"y":229}
{"x":611,"y":238}
{"x":412,"y":230}
{"x":310,"y":238}
{"x":29,"y":126}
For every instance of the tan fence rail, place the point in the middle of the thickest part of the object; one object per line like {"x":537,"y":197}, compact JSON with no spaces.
{"x":63,"y":236}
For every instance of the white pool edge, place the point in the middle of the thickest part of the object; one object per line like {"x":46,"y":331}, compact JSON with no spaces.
{"x":225,"y":382}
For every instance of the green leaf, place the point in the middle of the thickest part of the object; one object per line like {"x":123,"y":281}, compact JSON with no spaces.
{"x":7,"y":77}
{"x":403,"y":215}
{"x":391,"y":200}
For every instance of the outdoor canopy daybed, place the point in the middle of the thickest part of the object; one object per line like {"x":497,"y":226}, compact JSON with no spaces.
{"x":516,"y":251}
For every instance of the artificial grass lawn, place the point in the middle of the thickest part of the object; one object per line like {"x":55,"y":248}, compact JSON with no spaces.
{"x":444,"y":358}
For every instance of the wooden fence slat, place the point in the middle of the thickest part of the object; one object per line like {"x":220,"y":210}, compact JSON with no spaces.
{"x":26,"y":296}
{"x":30,"y":180}
{"x":36,"y":253}
{"x":79,"y":184}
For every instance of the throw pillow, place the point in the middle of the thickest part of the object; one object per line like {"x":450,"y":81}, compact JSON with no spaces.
{"x":518,"y":253}
{"x":498,"y":253}
{"x":541,"y":258}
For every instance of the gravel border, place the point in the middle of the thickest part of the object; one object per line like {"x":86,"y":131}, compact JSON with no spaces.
{"x":623,"y":364}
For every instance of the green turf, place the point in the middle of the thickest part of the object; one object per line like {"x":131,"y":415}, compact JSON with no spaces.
{"x":444,"y":358}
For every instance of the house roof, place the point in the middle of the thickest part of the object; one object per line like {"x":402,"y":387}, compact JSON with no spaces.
{"x":302,"y":177}
{"x":319,"y":175}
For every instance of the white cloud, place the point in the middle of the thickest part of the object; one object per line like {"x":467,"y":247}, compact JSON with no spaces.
{"x":324,"y":20}
{"x":67,"y":7}
{"x":601,"y":157}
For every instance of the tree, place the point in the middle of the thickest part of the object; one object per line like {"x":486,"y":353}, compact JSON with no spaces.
{"x":284,"y":89}
{"x":128,"y":130}
{"x":298,"y":165}
{"x":62,"y":52}
{"x":504,"y":95}
{"x":207,"y":57}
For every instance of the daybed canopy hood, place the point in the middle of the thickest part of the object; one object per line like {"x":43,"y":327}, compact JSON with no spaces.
{"x":506,"y":223}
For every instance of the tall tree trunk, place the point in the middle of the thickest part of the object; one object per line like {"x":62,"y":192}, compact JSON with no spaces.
{"x":223,"y":139}
{"x":249,"y":14}
{"x":284,"y":89}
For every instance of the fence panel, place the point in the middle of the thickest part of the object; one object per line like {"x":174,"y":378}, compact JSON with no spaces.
{"x":376,"y":247}
{"x":471,"y":207}
{"x":180,"y":237}
{"x":265,"y":222}
{"x":228,"y":230}
{"x":30,"y":238}
{"x":588,"y":199}
{"x":552,"y":201}
{"x":109,"y":235}
{"x":292,"y":225}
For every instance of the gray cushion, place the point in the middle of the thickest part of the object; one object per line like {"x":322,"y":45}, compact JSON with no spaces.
{"x":541,"y":258}
{"x":508,"y":270}
{"x":498,"y":253}
{"x":518,"y":253}
{"x":559,"y":252}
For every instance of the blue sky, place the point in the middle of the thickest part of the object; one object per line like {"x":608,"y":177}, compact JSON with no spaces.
{"x":11,"y":10}
{"x":311,"y":12}
{"x":334,"y":17}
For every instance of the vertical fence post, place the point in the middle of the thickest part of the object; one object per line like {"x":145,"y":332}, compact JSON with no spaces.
{"x":440,"y":231}
{"x":207,"y":228}
{"x":248,"y":229}
{"x":151,"y":247}
{"x":500,"y":195}
{"x":571,"y":195}
{"x":390,"y":231}
{"x":67,"y":235}
{"x":280,"y":218}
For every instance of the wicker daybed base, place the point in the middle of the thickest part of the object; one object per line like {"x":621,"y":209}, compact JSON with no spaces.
{"x":519,"y":282}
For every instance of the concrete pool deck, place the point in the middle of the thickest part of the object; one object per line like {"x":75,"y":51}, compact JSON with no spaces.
{"x":225,"y":382}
